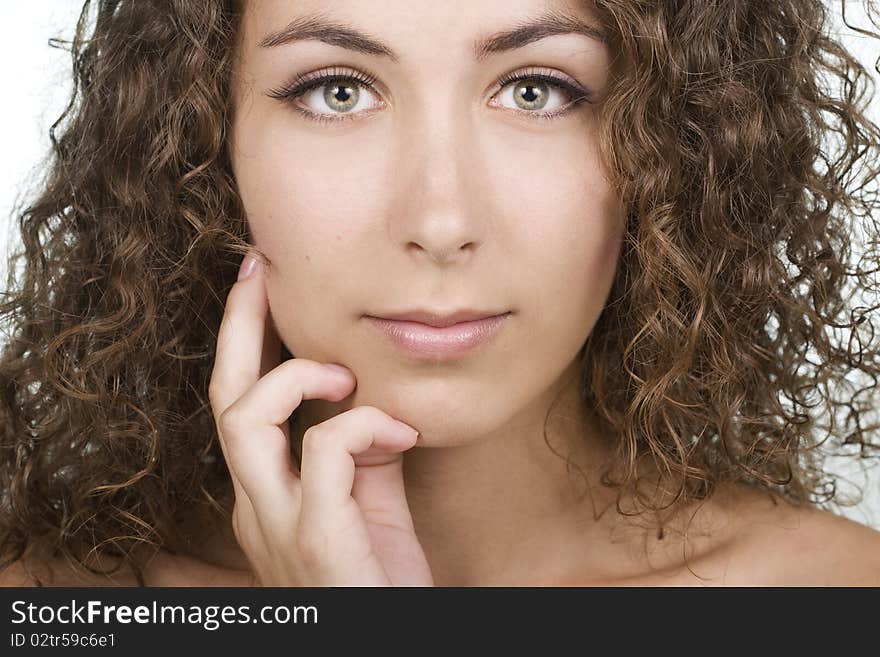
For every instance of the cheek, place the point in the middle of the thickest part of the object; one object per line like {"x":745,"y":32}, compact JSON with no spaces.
{"x":306,"y":190}
{"x":569,"y":230}
{"x":312,"y":217}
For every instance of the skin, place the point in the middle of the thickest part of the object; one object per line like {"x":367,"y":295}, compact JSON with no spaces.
{"x":450,"y":200}
{"x":450,"y":191}
{"x":442,"y":200}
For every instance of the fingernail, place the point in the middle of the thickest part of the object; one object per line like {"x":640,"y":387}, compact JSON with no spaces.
{"x":247,"y":268}
{"x":338,"y":368}
{"x":407,"y":427}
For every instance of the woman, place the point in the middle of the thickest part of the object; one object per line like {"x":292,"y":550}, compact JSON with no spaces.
{"x":536,"y":293}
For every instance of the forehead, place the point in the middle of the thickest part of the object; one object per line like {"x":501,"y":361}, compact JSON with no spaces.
{"x":408,"y":26}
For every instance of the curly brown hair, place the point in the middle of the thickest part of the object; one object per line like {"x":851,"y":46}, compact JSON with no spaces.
{"x":708,"y":360}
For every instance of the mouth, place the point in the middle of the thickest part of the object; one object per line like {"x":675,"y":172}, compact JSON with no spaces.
{"x":433,"y":336}
{"x":439,"y":320}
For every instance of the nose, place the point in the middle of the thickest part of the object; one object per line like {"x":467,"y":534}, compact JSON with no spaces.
{"x":438,"y":216}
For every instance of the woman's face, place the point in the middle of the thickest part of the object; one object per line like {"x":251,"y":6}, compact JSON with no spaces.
{"x":433,"y":189}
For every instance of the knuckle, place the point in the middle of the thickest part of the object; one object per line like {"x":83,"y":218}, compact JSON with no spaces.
{"x":299,"y":369}
{"x":231,"y":421}
{"x":239,"y":528}
{"x":370,"y":417}
{"x":371,"y":413}
{"x":313,"y":438}
{"x":214,"y":388}
{"x":236,"y":522}
{"x":319,"y":436}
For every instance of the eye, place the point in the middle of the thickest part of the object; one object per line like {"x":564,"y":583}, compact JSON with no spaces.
{"x":530,"y":91}
{"x":341,"y":95}
{"x":345,"y":93}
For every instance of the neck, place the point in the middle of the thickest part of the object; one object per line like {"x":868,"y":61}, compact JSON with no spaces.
{"x":508,"y":508}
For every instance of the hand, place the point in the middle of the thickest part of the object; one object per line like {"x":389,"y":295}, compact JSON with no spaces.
{"x":344,"y":519}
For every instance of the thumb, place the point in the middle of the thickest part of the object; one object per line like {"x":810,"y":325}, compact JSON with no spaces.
{"x":379,"y":491}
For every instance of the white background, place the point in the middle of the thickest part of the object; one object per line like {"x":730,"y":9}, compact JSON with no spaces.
{"x":35,"y":83}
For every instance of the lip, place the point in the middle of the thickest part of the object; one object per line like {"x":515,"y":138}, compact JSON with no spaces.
{"x":454,"y":340}
{"x":438,"y":319}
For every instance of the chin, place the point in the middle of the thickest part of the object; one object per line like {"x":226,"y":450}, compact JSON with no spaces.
{"x":443,"y":420}
{"x":445,"y":438}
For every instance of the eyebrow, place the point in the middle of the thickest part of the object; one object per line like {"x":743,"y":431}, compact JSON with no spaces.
{"x":335,"y":33}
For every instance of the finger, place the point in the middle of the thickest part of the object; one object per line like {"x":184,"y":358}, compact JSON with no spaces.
{"x":239,"y":354}
{"x":258,"y":449}
{"x":361,"y":438}
{"x":380,"y":493}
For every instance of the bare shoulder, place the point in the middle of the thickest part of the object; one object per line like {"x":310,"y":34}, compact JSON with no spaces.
{"x":783,"y":545}
{"x":33,"y":571}
{"x":162,"y":569}
{"x":17,"y":574}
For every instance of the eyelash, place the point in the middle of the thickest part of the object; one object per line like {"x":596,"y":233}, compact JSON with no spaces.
{"x":305,"y":83}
